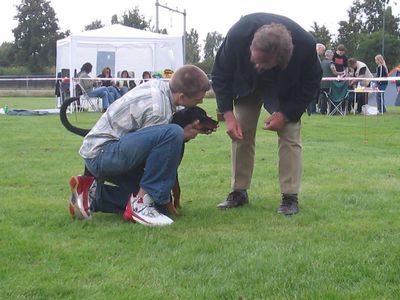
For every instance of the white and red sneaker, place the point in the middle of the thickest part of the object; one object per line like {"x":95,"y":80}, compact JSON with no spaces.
{"x":82,"y":188}
{"x":143,"y":211}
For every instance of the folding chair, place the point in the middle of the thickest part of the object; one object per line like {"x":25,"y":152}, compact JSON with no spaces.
{"x":62,"y":86}
{"x":85,"y":102}
{"x":338,"y":97}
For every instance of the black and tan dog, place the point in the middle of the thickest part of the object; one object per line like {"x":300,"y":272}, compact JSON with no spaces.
{"x":182,"y":118}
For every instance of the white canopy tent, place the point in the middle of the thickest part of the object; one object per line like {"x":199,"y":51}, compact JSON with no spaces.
{"x":120,"y":48}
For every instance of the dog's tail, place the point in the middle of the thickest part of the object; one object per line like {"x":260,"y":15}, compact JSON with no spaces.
{"x":64,"y":119}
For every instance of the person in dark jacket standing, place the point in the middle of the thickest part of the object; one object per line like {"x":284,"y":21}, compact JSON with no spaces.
{"x":269,"y":60}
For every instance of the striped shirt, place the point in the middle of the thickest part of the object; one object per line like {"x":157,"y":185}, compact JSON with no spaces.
{"x":149,"y":104}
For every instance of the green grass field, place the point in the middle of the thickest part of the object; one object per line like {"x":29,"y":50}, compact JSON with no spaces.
{"x":344,"y":244}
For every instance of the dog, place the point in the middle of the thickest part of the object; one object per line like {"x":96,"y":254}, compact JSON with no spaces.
{"x":182,"y":118}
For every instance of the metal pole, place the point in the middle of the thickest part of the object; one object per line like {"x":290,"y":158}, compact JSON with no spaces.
{"x":184,"y":24}
{"x":157,"y":4}
{"x":184,"y":36}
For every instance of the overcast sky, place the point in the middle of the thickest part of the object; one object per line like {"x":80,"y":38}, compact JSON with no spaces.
{"x":203,"y":15}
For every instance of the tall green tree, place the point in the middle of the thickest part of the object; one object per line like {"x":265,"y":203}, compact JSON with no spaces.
{"x":36,"y":34}
{"x":212,"y":42}
{"x":7,"y":54}
{"x":371,"y":45}
{"x":94,"y":25}
{"x":132,"y":18}
{"x":192,"y":47}
{"x":321,"y":35}
{"x":349,"y":31}
{"x":371,"y":24}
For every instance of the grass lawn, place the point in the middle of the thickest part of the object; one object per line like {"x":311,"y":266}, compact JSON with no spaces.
{"x":344,"y":244}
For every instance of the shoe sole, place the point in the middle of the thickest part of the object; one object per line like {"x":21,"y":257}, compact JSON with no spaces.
{"x":128,"y":217}
{"x":219,"y":206}
{"x":132,"y":217}
{"x":288,"y":214}
{"x":137,"y":218}
{"x":74,"y":210}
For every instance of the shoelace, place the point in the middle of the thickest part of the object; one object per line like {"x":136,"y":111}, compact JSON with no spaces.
{"x":239,"y":195}
{"x":149,"y":210}
{"x":92,"y":192}
{"x":152,"y":211}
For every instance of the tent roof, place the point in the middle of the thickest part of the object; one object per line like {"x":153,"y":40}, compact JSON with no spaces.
{"x":394,"y":71}
{"x":121,"y":31}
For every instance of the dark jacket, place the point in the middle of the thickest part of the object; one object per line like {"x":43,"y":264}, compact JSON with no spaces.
{"x":381,"y":72}
{"x":288,"y":91}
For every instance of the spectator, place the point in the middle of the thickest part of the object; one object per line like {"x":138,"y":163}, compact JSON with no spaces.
{"x":312,"y":107}
{"x":360,"y":69}
{"x":146,"y":76}
{"x":88,"y":85}
{"x":106,"y":73}
{"x":381,"y":72}
{"x":340,"y":61}
{"x":125,"y":85}
{"x":320,"y":48}
{"x":327,"y":71}
{"x":265,"y":59}
{"x":110,"y":84}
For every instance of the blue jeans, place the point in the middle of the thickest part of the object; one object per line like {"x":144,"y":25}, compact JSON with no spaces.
{"x":114,"y":94}
{"x":147,"y":158}
{"x":380,"y":101}
{"x":104,"y":94}
{"x":123,"y":90}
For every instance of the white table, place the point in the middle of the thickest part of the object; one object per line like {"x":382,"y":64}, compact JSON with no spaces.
{"x":366,"y":90}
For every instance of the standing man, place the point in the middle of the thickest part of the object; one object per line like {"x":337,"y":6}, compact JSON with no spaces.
{"x":320,"y":48}
{"x":312,"y":107}
{"x":265,"y":59}
{"x":340,"y":60}
{"x":328,"y":69}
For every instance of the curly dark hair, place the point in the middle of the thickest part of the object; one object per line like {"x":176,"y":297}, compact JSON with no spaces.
{"x":274,"y":39}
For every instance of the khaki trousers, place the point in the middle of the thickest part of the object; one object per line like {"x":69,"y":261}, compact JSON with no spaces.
{"x":243,"y":151}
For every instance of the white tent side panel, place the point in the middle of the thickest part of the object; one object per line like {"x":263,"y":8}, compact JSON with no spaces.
{"x":135,"y":50}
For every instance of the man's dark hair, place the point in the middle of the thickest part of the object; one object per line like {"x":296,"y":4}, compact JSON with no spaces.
{"x":352,"y":61}
{"x":87,"y":67}
{"x":189,"y":80}
{"x":274,"y":40}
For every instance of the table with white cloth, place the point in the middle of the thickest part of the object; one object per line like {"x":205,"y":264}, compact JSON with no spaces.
{"x":365,"y":90}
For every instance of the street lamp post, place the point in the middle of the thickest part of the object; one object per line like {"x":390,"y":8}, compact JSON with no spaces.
{"x":184,"y":24}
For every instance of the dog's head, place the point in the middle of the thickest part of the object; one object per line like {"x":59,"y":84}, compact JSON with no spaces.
{"x":188,"y":115}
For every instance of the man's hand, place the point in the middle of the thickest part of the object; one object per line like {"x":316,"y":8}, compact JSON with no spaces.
{"x":275,"y":121}
{"x":190,"y":131}
{"x":233,"y":128}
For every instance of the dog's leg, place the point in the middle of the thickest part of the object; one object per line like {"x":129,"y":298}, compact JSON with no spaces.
{"x":171,"y":208}
{"x":176,"y":193}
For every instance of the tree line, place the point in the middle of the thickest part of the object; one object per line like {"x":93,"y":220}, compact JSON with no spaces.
{"x":370,"y":28}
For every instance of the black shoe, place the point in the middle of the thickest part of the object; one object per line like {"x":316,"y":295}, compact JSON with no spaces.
{"x":235,"y":199}
{"x":289,"y":205}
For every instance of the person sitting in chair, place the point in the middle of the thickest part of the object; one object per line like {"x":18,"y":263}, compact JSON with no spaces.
{"x":88,"y":85}
{"x":125,"y":85}
{"x":146,"y":76}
